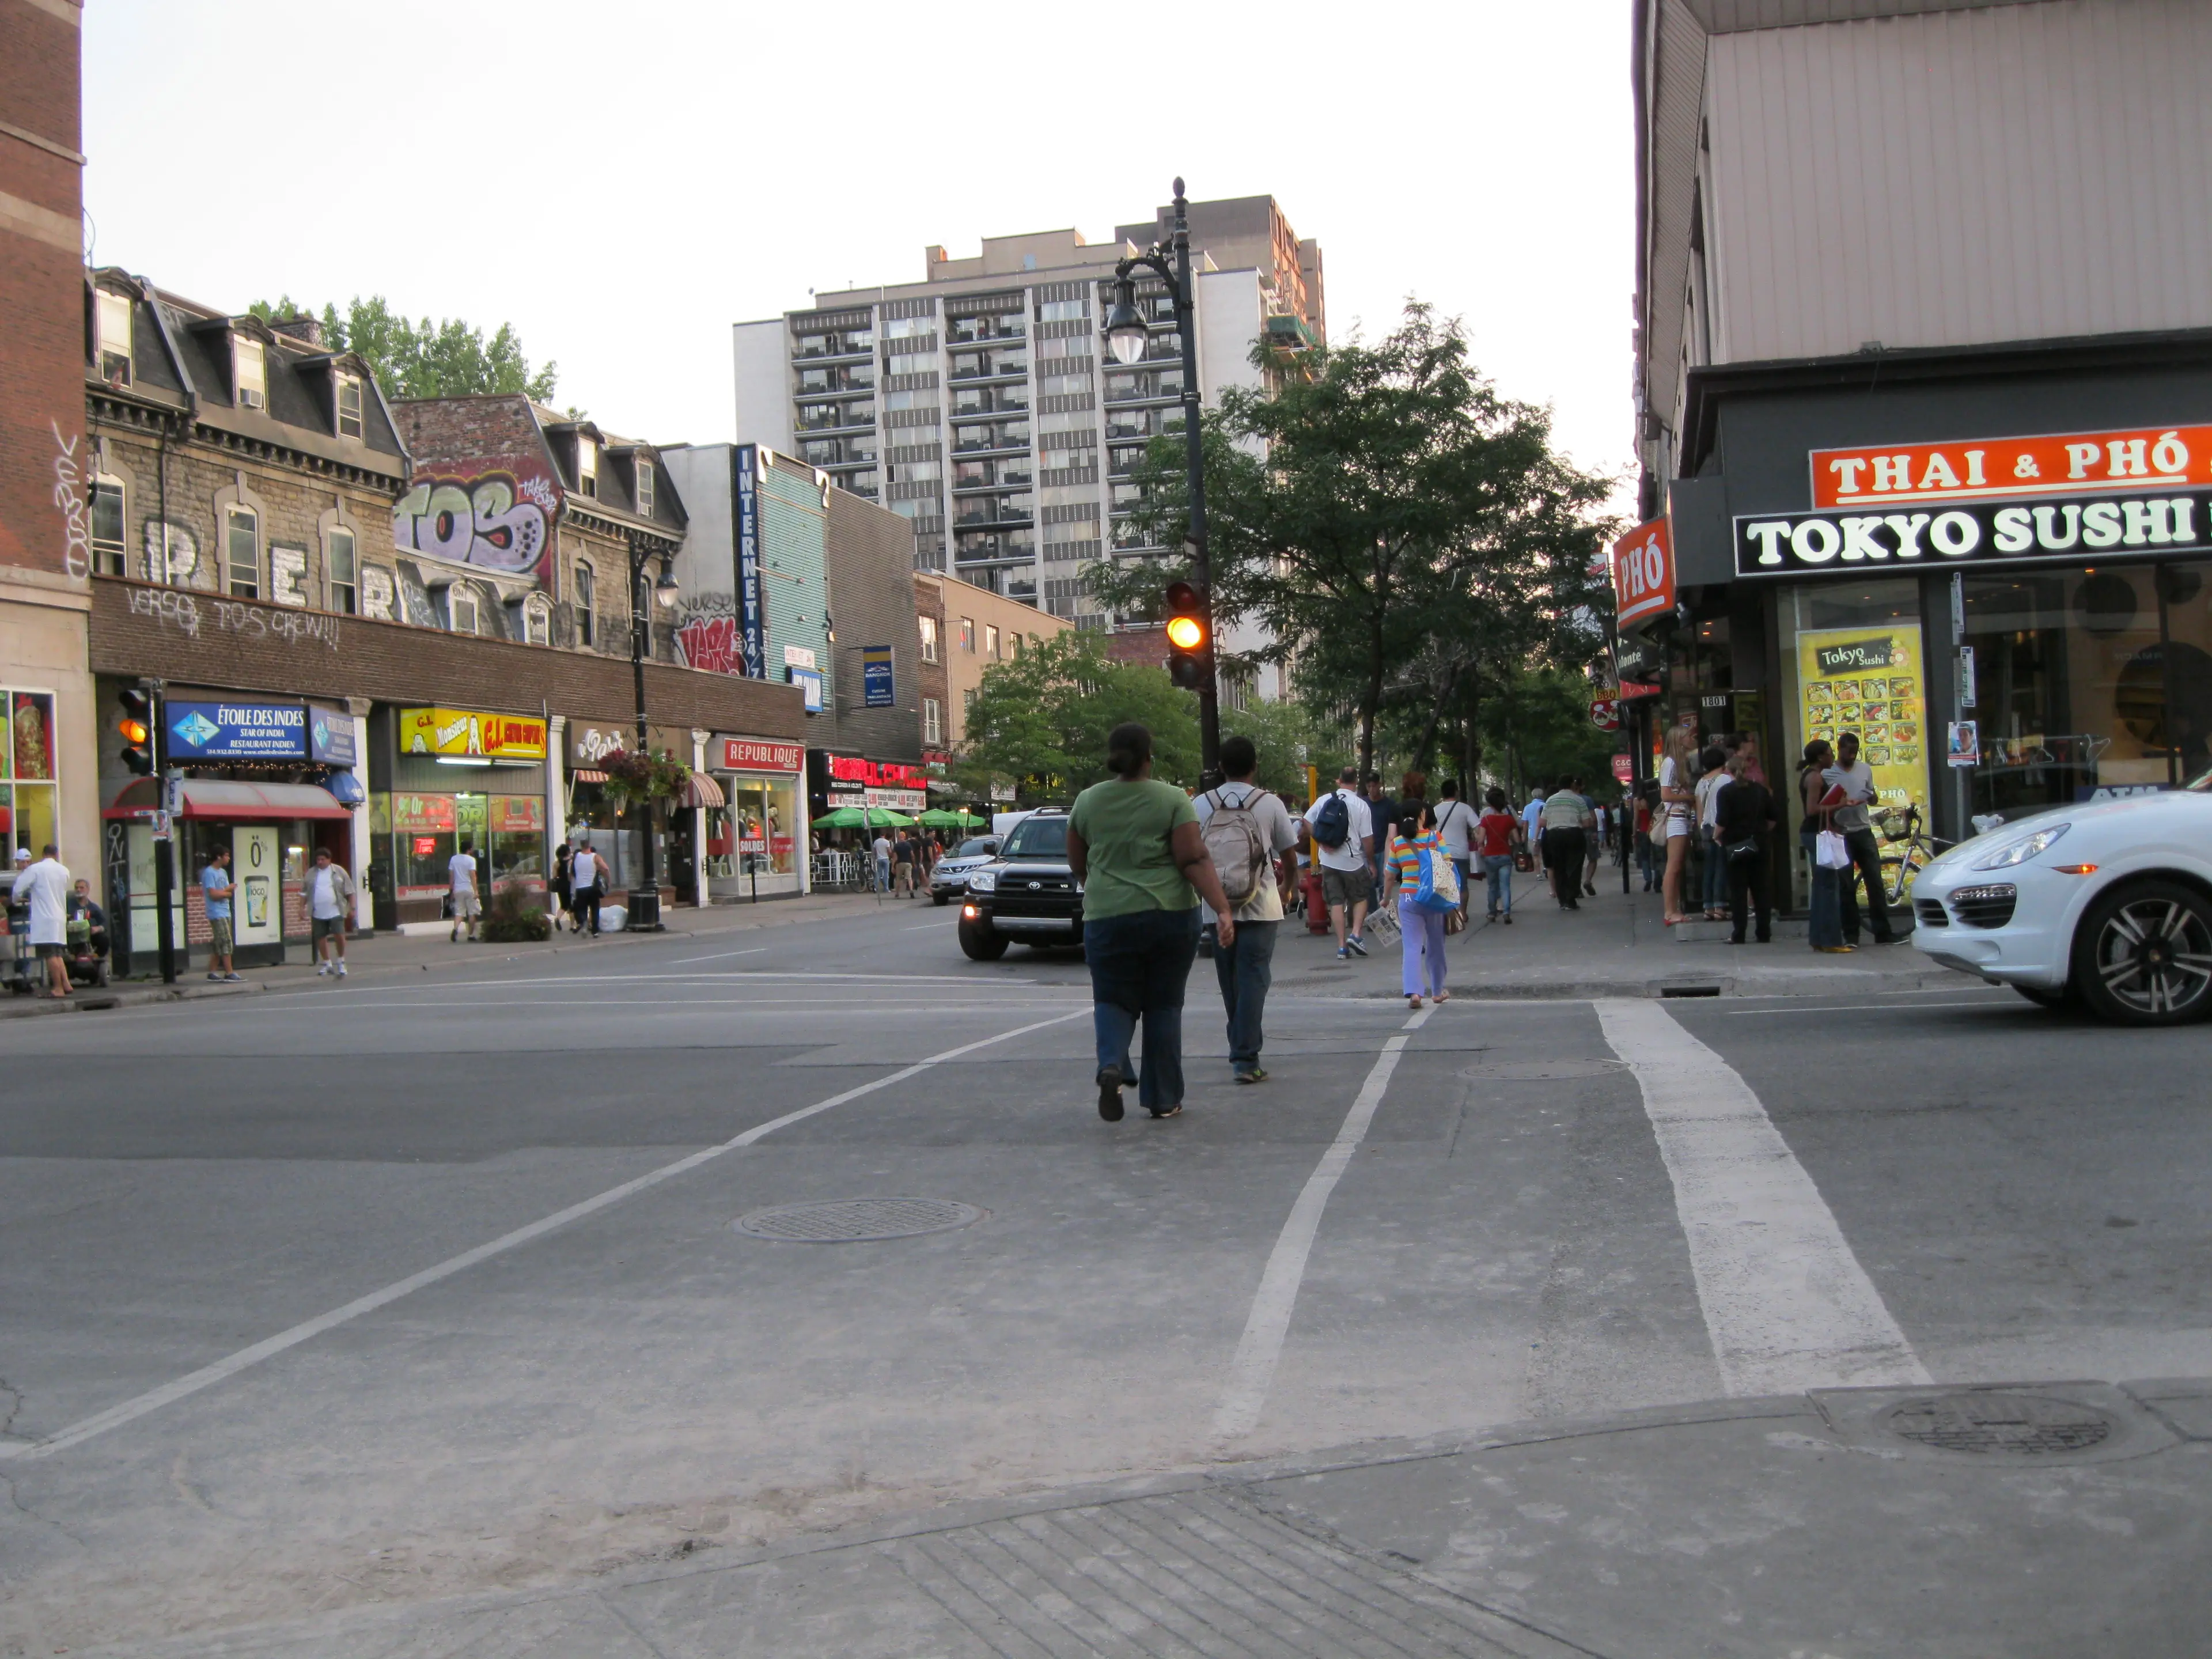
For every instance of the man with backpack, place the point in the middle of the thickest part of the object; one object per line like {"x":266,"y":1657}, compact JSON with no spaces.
{"x":1248,"y":834}
{"x":1343,"y":839}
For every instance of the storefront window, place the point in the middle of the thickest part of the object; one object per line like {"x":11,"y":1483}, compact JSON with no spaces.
{"x":29,"y":812}
{"x":425,"y":834}
{"x":2098,"y":678}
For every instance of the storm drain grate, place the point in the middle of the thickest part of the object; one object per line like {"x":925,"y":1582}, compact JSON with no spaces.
{"x":857,"y":1220}
{"x":2018,"y":1424}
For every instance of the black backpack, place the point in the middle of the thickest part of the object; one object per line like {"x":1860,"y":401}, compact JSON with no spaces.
{"x":1331,"y":822}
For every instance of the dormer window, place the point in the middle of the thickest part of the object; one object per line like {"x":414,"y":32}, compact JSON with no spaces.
{"x":249,"y":374}
{"x":112,"y":320}
{"x":587,"y":466}
{"x":644,"y":488}
{"x":349,"y":406}
{"x":461,"y":609}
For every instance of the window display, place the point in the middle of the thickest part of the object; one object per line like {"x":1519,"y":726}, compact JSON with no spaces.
{"x":29,"y":810}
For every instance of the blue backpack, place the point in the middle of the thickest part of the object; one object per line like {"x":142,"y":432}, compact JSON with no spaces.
{"x":1331,"y":822}
{"x":1438,"y":892}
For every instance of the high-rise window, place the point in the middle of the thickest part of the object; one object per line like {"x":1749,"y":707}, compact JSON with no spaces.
{"x":114,"y":325}
{"x":1062,"y":311}
{"x":109,"y":555}
{"x":242,"y":551}
{"x":344,"y":576}
{"x":991,"y":639}
{"x":968,"y":634}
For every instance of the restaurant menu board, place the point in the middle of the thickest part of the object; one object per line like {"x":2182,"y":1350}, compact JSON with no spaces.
{"x":1868,"y":680}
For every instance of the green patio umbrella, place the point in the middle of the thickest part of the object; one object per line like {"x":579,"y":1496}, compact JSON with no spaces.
{"x":939,"y":817}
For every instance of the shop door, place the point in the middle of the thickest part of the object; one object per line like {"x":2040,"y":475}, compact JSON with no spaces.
{"x":257,"y":917}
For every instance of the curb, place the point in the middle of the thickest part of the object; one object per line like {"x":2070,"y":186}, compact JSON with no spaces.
{"x":120,"y":996}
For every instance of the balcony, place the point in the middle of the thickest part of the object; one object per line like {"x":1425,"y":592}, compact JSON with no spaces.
{"x":1012,"y":398}
{"x":835,"y":417}
{"x":991,"y":437}
{"x":1143,"y":385}
{"x":1003,"y":326}
{"x":1017,"y":506}
{"x":828,"y":382}
{"x":837,"y":452}
{"x":990,"y":366}
{"x":815,"y":348}
{"x":993,"y":546}
{"x":991,"y":475}
{"x":1143,"y":422}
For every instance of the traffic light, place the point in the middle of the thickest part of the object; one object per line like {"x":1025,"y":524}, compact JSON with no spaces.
{"x":1190,"y":659}
{"x":136,"y":726}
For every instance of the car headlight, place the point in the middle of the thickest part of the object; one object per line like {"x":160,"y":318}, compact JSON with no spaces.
{"x":2021,"y":851}
{"x":982,"y":881}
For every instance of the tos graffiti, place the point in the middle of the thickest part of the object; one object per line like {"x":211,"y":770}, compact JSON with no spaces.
{"x":491,"y":521}
{"x":77,"y":556}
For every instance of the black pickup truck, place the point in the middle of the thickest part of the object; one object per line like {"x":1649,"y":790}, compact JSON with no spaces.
{"x":1029,"y":892}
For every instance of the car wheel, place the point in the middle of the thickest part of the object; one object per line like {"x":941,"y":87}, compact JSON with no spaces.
{"x":2061,"y":998}
{"x":2143,"y":955}
{"x":980,"y":941}
{"x":941,"y":899}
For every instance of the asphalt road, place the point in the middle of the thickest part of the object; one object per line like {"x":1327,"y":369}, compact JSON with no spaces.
{"x":293,"y":1318}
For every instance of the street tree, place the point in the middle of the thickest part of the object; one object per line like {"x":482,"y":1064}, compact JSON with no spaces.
{"x":1385,"y":516}
{"x":1042,"y":718}
{"x":424,"y":359}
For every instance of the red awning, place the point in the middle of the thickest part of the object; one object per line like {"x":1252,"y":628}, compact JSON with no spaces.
{"x":224,"y":800}
{"x":584,"y":774}
{"x":702,"y":791}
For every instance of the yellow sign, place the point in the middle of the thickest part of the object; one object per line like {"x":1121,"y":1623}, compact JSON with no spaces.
{"x":1869,"y":680}
{"x":471,"y":731}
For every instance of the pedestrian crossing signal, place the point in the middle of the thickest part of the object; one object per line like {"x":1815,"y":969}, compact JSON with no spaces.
{"x":137,"y":730}
{"x":1190,"y":662}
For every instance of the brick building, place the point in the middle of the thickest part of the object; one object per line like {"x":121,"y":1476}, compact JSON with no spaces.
{"x":47,"y":788}
{"x":393,"y":629}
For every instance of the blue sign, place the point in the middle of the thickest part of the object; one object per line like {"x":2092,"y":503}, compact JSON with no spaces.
{"x":752,"y":611}
{"x":877,"y":690}
{"x":809,"y":682}
{"x":330,"y":737}
{"x":236,"y":731}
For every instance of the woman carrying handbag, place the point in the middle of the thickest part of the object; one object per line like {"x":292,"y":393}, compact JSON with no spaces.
{"x":1420,"y":874}
{"x":1824,"y":851}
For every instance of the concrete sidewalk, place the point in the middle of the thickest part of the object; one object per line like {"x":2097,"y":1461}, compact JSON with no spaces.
{"x":1617,"y":946}
{"x":2059,"y":1519}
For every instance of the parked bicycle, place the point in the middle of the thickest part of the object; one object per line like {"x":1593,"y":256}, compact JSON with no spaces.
{"x":1909,"y":849}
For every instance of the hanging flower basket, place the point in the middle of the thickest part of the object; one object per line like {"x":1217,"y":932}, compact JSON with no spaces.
{"x":632,"y":779}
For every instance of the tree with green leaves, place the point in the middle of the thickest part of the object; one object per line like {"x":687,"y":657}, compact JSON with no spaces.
{"x":424,"y":359}
{"x":1397,"y":526}
{"x":1042,"y":718}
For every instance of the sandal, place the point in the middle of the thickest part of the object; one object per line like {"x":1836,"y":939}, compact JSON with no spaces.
{"x":1442,"y":997}
{"x":1413,"y":1002}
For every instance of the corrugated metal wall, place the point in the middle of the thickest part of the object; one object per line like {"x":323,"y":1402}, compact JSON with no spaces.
{"x":2024,"y":172}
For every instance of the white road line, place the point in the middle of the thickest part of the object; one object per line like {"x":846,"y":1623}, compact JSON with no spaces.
{"x":1787,"y":1305}
{"x":1885,"y":1007}
{"x":1252,"y":1369}
{"x":720,"y":956}
{"x":942,"y":922}
{"x":169,"y":1393}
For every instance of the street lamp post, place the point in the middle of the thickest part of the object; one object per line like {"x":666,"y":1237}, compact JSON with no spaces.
{"x":1128,"y":338}
{"x":645,"y":897}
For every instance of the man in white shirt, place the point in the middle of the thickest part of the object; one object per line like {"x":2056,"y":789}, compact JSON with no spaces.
{"x":329,"y":894}
{"x":1532,"y":830}
{"x":1456,"y":829}
{"x":882,"y":852}
{"x":467,"y":908}
{"x":587,"y":882}
{"x":1856,"y":779}
{"x":1245,"y":967}
{"x":45,"y":886}
{"x":1346,"y":879}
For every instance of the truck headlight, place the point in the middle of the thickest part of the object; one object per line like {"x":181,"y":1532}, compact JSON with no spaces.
{"x":2021,"y":851}
{"x":983,"y":881}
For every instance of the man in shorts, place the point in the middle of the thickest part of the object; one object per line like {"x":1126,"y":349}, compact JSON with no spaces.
{"x":45,"y":886}
{"x":467,"y":908}
{"x":215,"y":886}
{"x":330,"y":897}
{"x":1347,"y":873}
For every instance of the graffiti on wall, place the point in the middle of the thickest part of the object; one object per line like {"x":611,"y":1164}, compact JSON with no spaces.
{"x":710,"y":634}
{"x":181,"y":559}
{"x":76,"y":522}
{"x":495,"y":520}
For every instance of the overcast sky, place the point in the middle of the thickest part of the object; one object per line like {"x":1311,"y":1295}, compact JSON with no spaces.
{"x":623,"y":182}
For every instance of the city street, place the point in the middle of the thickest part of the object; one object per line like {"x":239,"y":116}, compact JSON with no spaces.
{"x":361,"y":1301}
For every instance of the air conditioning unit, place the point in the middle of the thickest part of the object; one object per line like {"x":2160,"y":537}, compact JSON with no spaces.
{"x":249,"y":398}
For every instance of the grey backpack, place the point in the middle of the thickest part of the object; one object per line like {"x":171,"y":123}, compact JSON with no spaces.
{"x":1234,"y":842}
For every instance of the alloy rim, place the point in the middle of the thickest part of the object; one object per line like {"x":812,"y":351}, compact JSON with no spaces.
{"x":2155,"y":955}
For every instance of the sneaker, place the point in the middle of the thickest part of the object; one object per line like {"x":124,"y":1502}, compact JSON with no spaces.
{"x":1255,"y":1074}
{"x":322,"y":969}
{"x":1343,"y":954}
{"x":217,"y":978}
{"x":1508,"y":918}
{"x":1356,"y":944}
{"x":235,"y":979}
{"x":342,"y":970}
{"x":1175,"y":1110}
{"x":454,"y":934}
{"x":1109,"y":1093}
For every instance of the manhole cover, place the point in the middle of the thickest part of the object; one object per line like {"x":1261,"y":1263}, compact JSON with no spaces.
{"x":1542,"y":1070}
{"x":855,"y":1220}
{"x":2021,"y":1425}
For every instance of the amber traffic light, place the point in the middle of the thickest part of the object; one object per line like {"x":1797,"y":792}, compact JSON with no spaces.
{"x":1188,"y":663}
{"x":137,"y":729}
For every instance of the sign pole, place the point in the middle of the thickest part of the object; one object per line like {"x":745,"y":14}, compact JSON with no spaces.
{"x":165,"y":845}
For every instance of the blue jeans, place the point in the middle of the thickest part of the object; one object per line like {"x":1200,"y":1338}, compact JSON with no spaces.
{"x":1498,"y":877}
{"x":1715,"y":872}
{"x":1245,"y":969}
{"x":1138,"y":964}
{"x":1824,"y":923}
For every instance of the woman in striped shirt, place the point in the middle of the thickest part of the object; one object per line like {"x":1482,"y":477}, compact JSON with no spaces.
{"x":1421,"y":933}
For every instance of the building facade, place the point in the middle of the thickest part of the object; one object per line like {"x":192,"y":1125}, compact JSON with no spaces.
{"x":973,"y":404}
{"x":1924,"y":407}
{"x":974,"y":628}
{"x":48,"y":714}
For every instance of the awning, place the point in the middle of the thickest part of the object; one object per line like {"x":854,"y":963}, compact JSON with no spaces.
{"x":584,"y":774}
{"x":221,"y":798}
{"x":702,"y":791}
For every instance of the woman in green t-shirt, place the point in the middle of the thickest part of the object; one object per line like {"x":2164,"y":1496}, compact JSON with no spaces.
{"x":1133,"y":843}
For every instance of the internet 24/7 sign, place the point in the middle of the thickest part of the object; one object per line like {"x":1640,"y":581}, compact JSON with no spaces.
{"x":236,"y":731}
